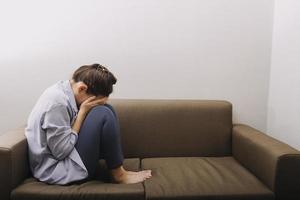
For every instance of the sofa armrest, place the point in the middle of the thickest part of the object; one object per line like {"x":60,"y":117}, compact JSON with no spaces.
{"x":275,"y":163}
{"x":13,"y":161}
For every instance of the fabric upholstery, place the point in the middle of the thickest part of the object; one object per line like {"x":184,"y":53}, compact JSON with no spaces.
{"x":174,"y":127}
{"x":274,"y":162}
{"x":14,"y":167}
{"x":94,"y":189}
{"x":287,"y":182}
{"x":202,"y":178}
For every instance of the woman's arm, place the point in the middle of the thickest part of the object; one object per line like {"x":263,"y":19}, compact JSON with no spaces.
{"x":78,"y":122}
{"x":59,"y":135}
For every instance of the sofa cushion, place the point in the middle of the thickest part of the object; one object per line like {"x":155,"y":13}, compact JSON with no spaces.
{"x":197,"y":127}
{"x":201,"y":178}
{"x":99,"y":188}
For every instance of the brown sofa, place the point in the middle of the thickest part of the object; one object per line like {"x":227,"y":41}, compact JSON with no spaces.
{"x":192,"y":147}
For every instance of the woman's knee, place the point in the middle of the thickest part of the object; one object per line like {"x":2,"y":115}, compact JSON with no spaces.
{"x":101,"y":110}
{"x":111,"y":108}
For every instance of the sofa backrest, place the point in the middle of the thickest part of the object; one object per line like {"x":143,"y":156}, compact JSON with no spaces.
{"x":174,"y":128}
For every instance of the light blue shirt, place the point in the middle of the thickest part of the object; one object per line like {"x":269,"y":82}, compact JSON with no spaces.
{"x":51,"y":140}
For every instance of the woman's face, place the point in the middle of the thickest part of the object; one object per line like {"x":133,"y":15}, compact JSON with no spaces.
{"x":80,"y":94}
{"x":85,"y":96}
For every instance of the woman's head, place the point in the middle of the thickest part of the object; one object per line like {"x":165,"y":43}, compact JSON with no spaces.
{"x":98,"y":79}
{"x":92,"y":80}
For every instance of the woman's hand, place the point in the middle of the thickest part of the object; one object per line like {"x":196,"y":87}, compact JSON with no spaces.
{"x":85,"y":107}
{"x":91,"y":102}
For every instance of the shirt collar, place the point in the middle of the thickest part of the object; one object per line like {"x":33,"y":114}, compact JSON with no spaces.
{"x":69,"y":92}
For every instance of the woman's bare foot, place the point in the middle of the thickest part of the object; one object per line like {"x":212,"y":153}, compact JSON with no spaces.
{"x":120,"y":175}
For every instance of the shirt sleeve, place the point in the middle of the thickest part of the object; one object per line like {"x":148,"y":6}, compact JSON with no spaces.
{"x":60,"y":137}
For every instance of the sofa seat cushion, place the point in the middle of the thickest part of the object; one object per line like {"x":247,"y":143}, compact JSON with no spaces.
{"x":99,"y":188}
{"x":201,"y":178}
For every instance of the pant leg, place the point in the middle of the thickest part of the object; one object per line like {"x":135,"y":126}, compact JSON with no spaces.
{"x":117,"y":124}
{"x":99,"y":136}
{"x":110,"y":144}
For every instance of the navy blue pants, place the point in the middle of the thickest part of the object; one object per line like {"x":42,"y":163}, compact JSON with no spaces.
{"x":99,"y":137}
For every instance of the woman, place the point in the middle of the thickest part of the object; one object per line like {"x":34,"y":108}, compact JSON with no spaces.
{"x":71,"y":127}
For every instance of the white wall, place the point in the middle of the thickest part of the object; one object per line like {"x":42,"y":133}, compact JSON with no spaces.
{"x":179,"y":49}
{"x":284,"y":96}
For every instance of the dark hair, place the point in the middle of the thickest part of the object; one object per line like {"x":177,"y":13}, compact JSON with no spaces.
{"x":98,"y":78}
